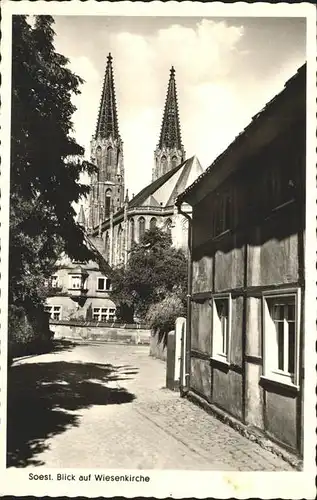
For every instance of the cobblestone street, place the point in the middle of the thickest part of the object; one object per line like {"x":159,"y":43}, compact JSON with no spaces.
{"x":105,"y":406}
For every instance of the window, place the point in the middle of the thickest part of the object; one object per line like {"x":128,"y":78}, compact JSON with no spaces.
{"x":141,"y":228}
{"x":98,"y":155}
{"x":54,"y":281}
{"x":111,"y":314}
{"x":104,"y":314}
{"x":132,"y":230}
{"x":153,"y":223}
{"x":174,"y":161}
{"x":76,"y":281}
{"x":281,"y":336}
{"x":107,"y":202}
{"x":164,"y":164}
{"x":103,"y":284}
{"x":281,"y":185}
{"x":120,"y":243}
{"x":221,"y":327}
{"x":109,"y":156}
{"x":107,"y":246}
{"x":55,"y":312}
{"x":222,"y":218}
{"x":169,"y":227}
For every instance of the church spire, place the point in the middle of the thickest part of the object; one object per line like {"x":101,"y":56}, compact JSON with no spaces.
{"x":107,"y":183}
{"x":107,"y":123}
{"x":170,"y":131}
{"x":170,"y":151}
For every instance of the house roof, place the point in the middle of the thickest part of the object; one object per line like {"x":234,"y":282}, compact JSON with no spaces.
{"x":297,"y":77}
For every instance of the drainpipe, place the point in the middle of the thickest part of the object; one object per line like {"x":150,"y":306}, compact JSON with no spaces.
{"x":184,"y":390}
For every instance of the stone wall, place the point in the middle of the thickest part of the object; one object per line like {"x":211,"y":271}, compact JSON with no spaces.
{"x":98,"y":332}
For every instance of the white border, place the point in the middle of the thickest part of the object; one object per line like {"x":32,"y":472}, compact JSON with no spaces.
{"x":178,"y":484}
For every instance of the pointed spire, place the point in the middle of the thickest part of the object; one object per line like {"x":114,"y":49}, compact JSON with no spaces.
{"x":81,"y":216}
{"x":126,"y":196}
{"x":170,"y":131}
{"x":107,"y":123}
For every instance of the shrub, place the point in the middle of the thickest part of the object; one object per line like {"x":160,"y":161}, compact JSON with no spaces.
{"x":28,"y":332}
{"x":162,"y":316}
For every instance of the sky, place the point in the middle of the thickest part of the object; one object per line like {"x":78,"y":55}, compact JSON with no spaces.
{"x":227,"y":69}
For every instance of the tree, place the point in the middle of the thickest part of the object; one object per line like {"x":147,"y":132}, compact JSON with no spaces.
{"x":45,"y":171}
{"x":154,"y":269}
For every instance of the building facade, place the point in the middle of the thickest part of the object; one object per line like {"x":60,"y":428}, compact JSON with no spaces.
{"x":80,"y":291}
{"x":245,"y":335}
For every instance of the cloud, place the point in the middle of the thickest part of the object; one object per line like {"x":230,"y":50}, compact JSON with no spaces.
{"x":203,"y":56}
{"x":219,"y":87}
{"x":201,"y":53}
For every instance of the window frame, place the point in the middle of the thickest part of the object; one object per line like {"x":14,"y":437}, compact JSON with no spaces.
{"x":81,"y":282}
{"x":217,"y":356}
{"x":141,"y":227}
{"x":222,"y":220}
{"x":271,"y":373}
{"x":51,"y":312}
{"x":106,"y":280}
{"x":55,"y":283}
{"x":103,"y":311}
{"x":132,"y":231}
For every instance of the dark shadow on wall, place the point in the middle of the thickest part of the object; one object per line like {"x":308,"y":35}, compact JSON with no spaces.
{"x":42,"y":399}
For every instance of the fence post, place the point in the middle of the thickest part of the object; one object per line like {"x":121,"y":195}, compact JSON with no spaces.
{"x":174,"y":356}
{"x":170,"y":361}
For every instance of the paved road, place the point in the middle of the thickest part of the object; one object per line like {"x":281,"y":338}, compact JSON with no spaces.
{"x":105,"y":406}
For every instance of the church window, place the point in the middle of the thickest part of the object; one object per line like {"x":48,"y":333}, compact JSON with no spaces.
{"x":153,"y":223}
{"x":141,"y":228}
{"x":164,"y":164}
{"x":107,"y":202}
{"x":109,"y":155}
{"x":132,"y":231}
{"x":120,"y":242}
{"x":107,"y":246}
{"x":174,"y":161}
{"x":169,"y":227}
{"x":98,"y":155}
{"x":109,"y":162}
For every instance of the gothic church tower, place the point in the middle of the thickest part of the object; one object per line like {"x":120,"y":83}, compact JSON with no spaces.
{"x":107,"y":185}
{"x":169,"y":152}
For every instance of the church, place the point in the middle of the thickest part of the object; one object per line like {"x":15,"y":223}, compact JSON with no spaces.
{"x":82,"y":291}
{"x":115,"y":222}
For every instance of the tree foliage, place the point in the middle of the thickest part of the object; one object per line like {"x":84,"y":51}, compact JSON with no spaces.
{"x":44,"y":174}
{"x":154,"y":270}
{"x":162,"y":315}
